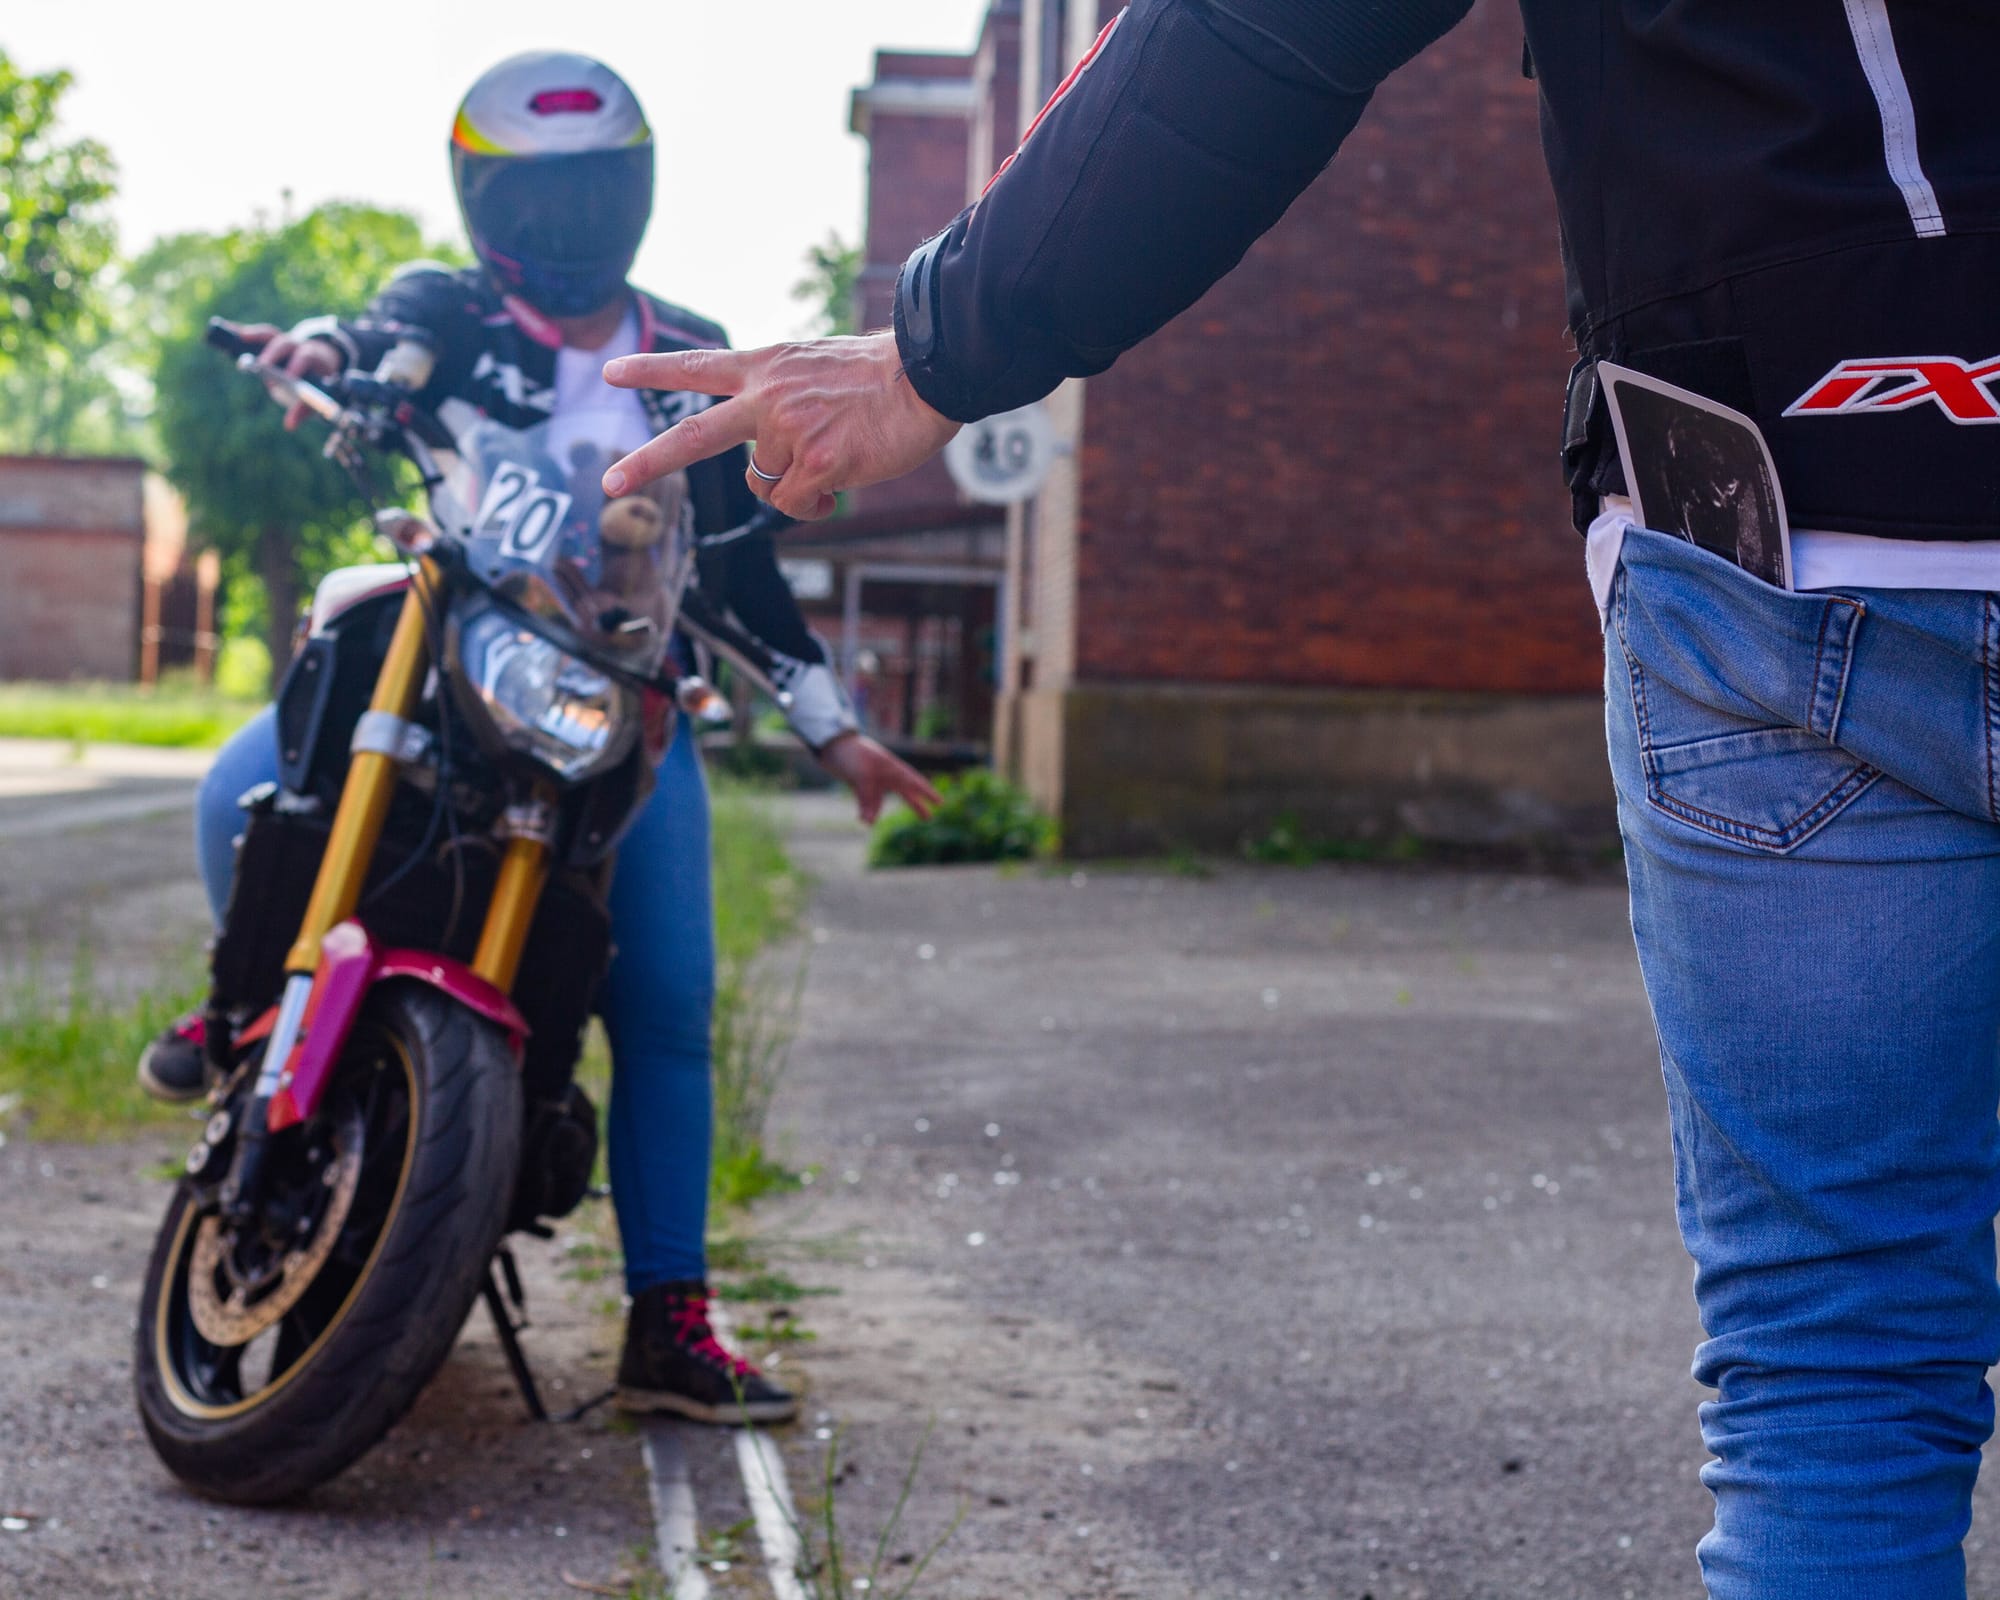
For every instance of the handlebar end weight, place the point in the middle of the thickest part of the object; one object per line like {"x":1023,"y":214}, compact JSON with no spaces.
{"x":225,"y":338}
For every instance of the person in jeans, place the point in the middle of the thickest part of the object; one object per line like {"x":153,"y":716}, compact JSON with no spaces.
{"x":1792,"y":208}
{"x":553,"y":161}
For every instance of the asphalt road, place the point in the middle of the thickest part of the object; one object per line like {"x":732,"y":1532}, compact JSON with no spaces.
{"x":1268,"y":1233}
{"x":1292,"y":1231}
{"x":463,"y":1499}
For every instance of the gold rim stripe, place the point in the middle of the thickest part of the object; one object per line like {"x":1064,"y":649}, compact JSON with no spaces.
{"x":180,"y":1262}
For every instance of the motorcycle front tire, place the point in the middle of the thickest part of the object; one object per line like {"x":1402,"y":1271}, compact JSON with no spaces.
{"x":399,"y":1319}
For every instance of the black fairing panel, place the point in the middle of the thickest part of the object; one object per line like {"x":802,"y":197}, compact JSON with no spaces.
{"x":326,"y":688}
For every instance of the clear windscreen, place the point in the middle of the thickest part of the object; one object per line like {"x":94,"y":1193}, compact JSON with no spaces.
{"x":540,"y":530}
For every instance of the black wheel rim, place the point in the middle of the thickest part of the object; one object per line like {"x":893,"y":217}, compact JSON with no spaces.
{"x":370,"y":1103}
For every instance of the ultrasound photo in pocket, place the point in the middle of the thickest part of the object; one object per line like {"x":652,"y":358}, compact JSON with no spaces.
{"x":1699,"y":470}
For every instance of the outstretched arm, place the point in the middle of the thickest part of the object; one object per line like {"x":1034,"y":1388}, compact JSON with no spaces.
{"x":1181,"y":137}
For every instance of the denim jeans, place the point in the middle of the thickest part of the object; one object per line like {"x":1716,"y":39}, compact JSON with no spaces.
{"x":1809,"y":791}
{"x":655,"y":1002}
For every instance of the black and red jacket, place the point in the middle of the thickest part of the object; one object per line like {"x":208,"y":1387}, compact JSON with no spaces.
{"x":1792,"y":206}
{"x":497,"y":354}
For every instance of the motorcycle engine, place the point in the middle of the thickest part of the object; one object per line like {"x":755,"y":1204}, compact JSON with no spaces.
{"x":558,"y":1153}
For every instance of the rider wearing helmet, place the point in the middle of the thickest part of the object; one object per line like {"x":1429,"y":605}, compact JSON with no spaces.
{"x":553,"y":162}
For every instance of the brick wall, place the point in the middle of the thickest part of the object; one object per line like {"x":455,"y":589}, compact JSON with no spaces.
{"x":915,"y":115}
{"x":71,"y":537}
{"x":1338,"y":469}
{"x":996,"y":95}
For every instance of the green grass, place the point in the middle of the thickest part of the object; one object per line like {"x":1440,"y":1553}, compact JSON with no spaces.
{"x":828,"y":1569}
{"x":1288,"y":843}
{"x":121,"y":713}
{"x":67,"y":1053}
{"x":759,"y":894}
{"x":776,"y":1329}
{"x":770,"y":1287}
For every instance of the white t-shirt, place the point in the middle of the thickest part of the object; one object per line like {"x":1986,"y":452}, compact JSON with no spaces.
{"x":1823,"y":560}
{"x":589,"y":410}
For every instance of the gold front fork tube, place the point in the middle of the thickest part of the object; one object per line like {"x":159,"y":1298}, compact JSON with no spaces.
{"x":371,"y":778}
{"x":524,"y":869}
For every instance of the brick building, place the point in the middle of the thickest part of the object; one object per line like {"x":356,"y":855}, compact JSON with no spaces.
{"x":908,"y":581}
{"x":1307,"y":550}
{"x":72,"y":541}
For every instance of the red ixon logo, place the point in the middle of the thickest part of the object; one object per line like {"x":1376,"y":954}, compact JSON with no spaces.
{"x":1957,"y":388}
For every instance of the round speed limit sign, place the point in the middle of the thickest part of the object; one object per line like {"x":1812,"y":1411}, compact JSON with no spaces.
{"x":1004,"y":458}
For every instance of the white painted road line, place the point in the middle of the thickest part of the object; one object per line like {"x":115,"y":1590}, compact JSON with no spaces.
{"x":769,"y":1493}
{"x":674,"y":1531}
{"x":765,"y":1487}
{"x":763,"y":1468}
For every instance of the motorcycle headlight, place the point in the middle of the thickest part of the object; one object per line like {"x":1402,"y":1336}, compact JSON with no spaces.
{"x":544,"y":702}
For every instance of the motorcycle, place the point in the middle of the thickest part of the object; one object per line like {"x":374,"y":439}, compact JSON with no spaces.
{"x":402,"y":979}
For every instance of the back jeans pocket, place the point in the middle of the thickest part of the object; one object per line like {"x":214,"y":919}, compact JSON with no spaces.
{"x":1736,"y":693}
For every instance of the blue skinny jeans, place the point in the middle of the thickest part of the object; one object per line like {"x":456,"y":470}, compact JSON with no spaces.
{"x":655,"y":1001}
{"x":1809,"y":789}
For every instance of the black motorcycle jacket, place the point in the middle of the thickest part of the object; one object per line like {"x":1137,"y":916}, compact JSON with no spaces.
{"x":1792,"y":206}
{"x":498,"y":355}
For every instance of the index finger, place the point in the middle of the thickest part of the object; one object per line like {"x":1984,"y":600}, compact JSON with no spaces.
{"x":703,"y":371}
{"x":918,"y":791}
{"x":696,"y":438}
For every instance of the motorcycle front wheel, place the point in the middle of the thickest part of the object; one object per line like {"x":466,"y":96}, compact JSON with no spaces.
{"x":270,"y":1356}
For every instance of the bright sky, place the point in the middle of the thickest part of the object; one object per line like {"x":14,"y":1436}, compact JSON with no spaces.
{"x":212,"y":110}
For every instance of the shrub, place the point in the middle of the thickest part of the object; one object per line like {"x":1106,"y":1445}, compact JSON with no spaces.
{"x":983,"y":817}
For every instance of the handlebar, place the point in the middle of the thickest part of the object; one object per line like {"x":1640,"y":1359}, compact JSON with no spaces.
{"x":285,"y":388}
{"x":346,"y":401}
{"x":342,"y":401}
{"x":221,"y":336}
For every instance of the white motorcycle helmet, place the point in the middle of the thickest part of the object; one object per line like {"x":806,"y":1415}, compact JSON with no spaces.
{"x":553,"y":163}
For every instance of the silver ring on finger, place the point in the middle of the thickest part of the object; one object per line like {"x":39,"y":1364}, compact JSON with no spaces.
{"x":757,"y":471}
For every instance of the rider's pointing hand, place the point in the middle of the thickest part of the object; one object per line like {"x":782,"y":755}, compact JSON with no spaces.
{"x":822,"y":416}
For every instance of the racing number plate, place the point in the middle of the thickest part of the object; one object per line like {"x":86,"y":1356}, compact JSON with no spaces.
{"x":520,"y":513}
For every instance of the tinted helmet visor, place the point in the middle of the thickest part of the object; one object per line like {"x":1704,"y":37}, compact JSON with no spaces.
{"x":558,"y":219}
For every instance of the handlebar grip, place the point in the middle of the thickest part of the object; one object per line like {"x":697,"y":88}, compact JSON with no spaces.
{"x":226,"y":339}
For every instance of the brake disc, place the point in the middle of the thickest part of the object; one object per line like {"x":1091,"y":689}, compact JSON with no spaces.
{"x":235,"y":1318}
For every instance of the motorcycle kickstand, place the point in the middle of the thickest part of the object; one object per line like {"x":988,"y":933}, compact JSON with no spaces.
{"x":510,"y":1331}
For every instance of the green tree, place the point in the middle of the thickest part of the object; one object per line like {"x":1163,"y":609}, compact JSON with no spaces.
{"x":55,"y":234}
{"x":95,"y":395}
{"x":266,"y":498}
{"x":76,"y":399}
{"x":832,"y":284}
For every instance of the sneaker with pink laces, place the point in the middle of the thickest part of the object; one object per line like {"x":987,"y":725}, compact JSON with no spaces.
{"x":174,"y":1067}
{"x":674,"y":1362}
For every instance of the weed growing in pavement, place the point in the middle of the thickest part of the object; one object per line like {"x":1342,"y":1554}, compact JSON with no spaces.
{"x":825,"y":1570}
{"x":756,"y":1020}
{"x":589,"y":1260}
{"x":1287,"y":843}
{"x":764,"y":1285}
{"x":781,"y":1326}
{"x":731,"y":1252}
{"x":67,"y":1052}
{"x":758,"y":896}
{"x":726,"y":1545}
